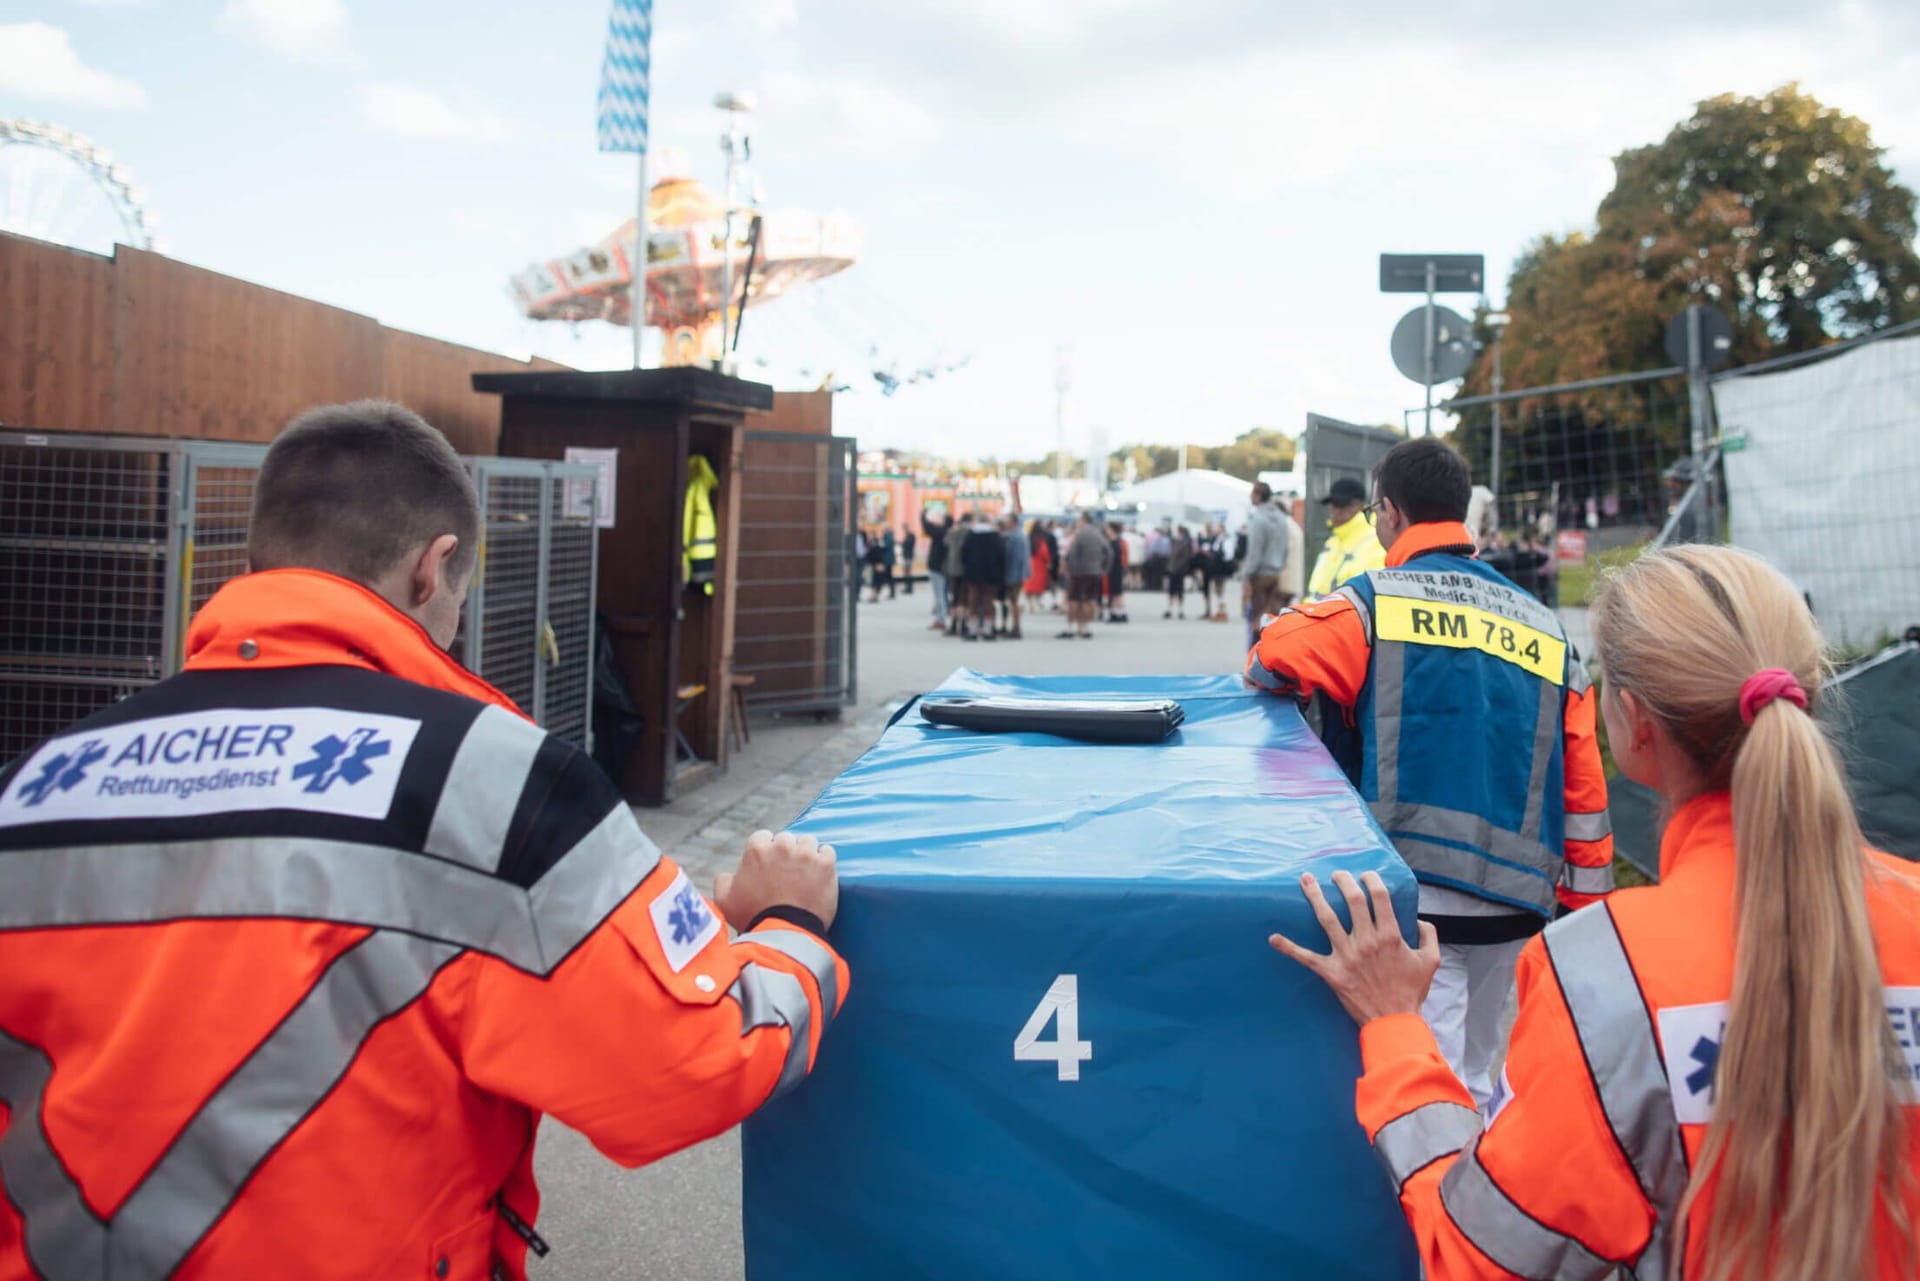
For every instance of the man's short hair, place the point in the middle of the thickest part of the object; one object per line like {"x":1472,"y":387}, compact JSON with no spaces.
{"x":1425,"y":479}
{"x":1261,"y":493}
{"x":352,"y":489}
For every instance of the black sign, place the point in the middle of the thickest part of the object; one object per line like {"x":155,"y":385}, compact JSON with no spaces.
{"x":1716,"y":337}
{"x":1452,"y":273}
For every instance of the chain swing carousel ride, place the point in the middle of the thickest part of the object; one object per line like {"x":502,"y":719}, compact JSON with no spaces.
{"x":703,"y":268}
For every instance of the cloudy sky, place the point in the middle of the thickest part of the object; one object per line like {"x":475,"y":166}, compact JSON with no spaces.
{"x":1190,"y":194}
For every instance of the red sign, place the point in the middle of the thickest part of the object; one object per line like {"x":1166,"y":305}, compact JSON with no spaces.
{"x":1570,"y":545}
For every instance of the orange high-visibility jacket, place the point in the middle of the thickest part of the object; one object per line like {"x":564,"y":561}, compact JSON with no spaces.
{"x":1332,"y":647}
{"x":296,"y":947}
{"x":1608,"y":1085}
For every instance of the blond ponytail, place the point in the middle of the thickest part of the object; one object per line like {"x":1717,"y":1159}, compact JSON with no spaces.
{"x":1808,"y":1121}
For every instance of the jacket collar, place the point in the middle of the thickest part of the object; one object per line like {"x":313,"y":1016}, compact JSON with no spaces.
{"x":1355,"y":527}
{"x":1429,"y":536}
{"x":1698,"y":831}
{"x":305,"y":618}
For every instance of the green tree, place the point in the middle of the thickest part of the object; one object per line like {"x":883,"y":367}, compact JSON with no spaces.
{"x":1825,"y":233}
{"x":1154,"y":460}
{"x":1252,"y":452}
{"x":1778,"y":211}
{"x":1044,"y":466}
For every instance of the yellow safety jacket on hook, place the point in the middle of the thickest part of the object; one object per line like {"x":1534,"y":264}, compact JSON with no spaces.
{"x":699,"y":537}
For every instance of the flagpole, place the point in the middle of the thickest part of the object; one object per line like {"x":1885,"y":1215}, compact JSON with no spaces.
{"x":622,"y":109}
{"x":637,"y":264}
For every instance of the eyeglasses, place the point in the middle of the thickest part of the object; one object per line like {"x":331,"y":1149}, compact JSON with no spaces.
{"x":1372,"y":509}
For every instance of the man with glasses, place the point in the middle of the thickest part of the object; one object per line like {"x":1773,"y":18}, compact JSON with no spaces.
{"x":1352,"y":548}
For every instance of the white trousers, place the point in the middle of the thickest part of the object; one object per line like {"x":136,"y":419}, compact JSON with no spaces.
{"x":1465,"y":1008}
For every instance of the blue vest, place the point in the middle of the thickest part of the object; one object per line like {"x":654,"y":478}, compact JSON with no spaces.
{"x":1460,"y":745}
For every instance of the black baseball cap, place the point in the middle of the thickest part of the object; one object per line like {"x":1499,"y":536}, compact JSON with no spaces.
{"x":1346,"y":490}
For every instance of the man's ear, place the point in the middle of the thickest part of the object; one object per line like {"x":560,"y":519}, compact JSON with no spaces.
{"x":430,"y":569}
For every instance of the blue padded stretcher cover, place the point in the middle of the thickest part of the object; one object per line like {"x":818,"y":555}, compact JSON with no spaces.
{"x":1204,"y":1129}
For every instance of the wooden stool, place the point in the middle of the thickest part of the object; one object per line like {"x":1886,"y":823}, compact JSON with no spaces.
{"x":737,"y":722}
{"x":682,"y":697}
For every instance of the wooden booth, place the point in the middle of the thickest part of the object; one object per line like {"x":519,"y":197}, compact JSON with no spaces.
{"x":672,"y":641}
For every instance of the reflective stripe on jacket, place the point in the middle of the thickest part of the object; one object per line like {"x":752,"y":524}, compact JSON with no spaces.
{"x":298,"y":950}
{"x":1350,"y":549}
{"x":1476,"y":744}
{"x":700,"y":539}
{"x":1608,"y":1085}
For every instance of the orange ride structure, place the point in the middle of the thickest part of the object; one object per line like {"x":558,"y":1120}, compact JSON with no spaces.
{"x":687,"y":262}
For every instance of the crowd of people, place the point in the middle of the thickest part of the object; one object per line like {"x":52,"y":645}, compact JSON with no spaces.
{"x":990,"y":572}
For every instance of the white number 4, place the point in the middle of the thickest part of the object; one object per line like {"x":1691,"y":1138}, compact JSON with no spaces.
{"x":1061,"y":1007}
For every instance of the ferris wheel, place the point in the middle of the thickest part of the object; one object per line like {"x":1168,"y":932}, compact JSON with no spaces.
{"x":55,"y":185}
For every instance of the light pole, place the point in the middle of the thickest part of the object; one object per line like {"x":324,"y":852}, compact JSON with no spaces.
{"x":1496,"y":321}
{"x":1062,"y":384}
{"x":738,"y":149}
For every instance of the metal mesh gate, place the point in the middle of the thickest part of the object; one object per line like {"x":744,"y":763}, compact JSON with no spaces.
{"x":220,"y":481}
{"x":528,"y":627}
{"x":571,"y":560}
{"x":109,"y":545}
{"x":86,"y":617}
{"x":794,"y":611}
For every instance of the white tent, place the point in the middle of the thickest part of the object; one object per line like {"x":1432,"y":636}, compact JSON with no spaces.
{"x":1045,"y":494}
{"x":1192,"y":498}
{"x":1288,"y":482}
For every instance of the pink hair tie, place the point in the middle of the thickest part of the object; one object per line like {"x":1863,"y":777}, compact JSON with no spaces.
{"x":1763,"y":687}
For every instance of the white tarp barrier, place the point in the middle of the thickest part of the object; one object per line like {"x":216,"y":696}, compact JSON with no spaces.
{"x":1824,"y":485}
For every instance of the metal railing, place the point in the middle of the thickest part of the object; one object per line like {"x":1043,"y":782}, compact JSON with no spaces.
{"x":798,"y":584}
{"x":1810,"y":459}
{"x":109,"y":545}
{"x":528,"y":626}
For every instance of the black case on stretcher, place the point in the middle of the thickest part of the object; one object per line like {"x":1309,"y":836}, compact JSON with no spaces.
{"x":1146,"y":721}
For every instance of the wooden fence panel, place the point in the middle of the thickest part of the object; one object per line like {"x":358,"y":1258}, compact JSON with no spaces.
{"x":56,"y":337}
{"x":208,"y":356}
{"x":142,"y":345}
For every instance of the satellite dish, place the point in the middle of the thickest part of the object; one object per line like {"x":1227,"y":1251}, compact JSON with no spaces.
{"x":1452,"y":345}
{"x":1716,"y":337}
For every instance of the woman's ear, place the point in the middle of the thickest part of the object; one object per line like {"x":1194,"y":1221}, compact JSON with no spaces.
{"x":1640,"y":725}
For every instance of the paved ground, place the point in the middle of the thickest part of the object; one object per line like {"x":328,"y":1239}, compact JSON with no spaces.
{"x":679,"y":1220}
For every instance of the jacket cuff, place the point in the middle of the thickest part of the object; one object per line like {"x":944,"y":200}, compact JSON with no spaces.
{"x":1395,"y":1037}
{"x":799,"y":916}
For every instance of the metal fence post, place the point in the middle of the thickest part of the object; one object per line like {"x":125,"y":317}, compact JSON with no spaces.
{"x":477,"y":594}
{"x":1698,"y":399}
{"x":179,"y":558}
{"x":593,"y":603}
{"x":849,"y":491}
{"x":540,"y":581}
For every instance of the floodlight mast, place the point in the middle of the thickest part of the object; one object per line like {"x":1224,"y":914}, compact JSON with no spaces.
{"x":1496,"y":321}
{"x":738,"y":150}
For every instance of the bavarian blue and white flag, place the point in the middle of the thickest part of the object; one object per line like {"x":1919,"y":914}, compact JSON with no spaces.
{"x":623,"y":77}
